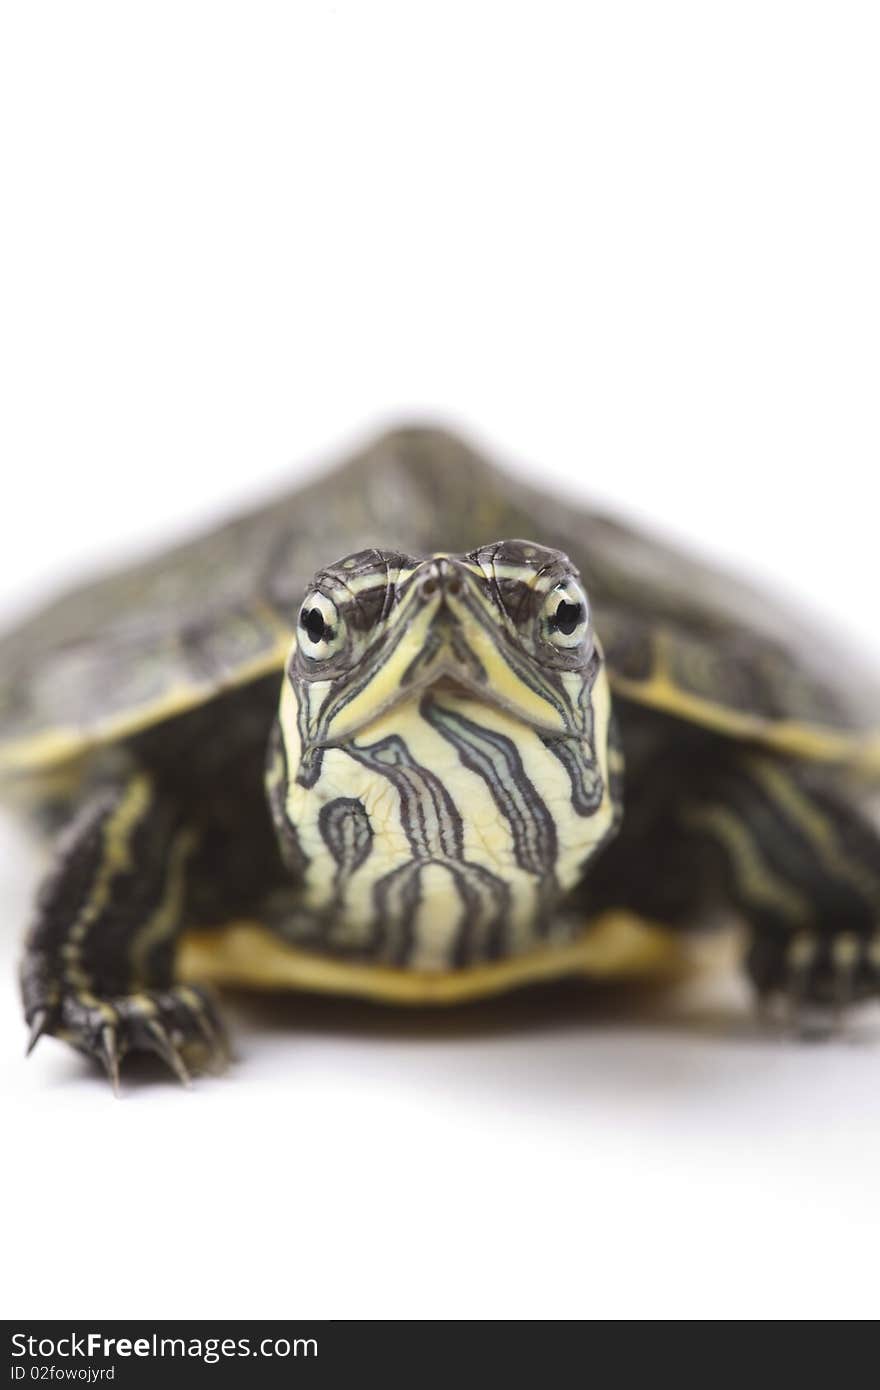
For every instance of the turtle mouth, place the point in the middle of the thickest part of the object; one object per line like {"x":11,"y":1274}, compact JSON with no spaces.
{"x":457,"y":688}
{"x":445,"y":685}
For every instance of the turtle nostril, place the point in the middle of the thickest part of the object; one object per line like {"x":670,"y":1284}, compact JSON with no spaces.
{"x":441,"y":578}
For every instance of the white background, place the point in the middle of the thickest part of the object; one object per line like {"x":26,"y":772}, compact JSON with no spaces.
{"x":631,"y":247}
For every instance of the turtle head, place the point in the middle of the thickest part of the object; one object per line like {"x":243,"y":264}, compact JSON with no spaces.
{"x":440,"y":764}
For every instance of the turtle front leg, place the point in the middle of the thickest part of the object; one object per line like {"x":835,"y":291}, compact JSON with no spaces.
{"x":99,"y":955}
{"x":802,"y":864}
{"x":784,"y":846}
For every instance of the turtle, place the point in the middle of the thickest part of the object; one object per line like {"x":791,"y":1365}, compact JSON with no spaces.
{"x":353,"y":742}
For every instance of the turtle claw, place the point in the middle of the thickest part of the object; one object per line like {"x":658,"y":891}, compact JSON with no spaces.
{"x":39,"y":1024}
{"x":178,"y":1024}
{"x":108,"y":1052}
{"x":163,"y":1045}
{"x":211,"y":1033}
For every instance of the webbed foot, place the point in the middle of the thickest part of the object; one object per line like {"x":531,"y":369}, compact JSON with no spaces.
{"x":817,"y":977}
{"x":179,"y":1024}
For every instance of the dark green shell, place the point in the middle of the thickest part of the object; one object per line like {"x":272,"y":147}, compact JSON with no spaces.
{"x":164,"y":635}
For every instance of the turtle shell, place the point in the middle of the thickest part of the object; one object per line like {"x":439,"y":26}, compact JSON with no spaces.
{"x":150,"y":641}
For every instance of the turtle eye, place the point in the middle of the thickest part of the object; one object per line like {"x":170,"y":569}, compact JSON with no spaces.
{"x":319,"y":629}
{"x":567,"y":616}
